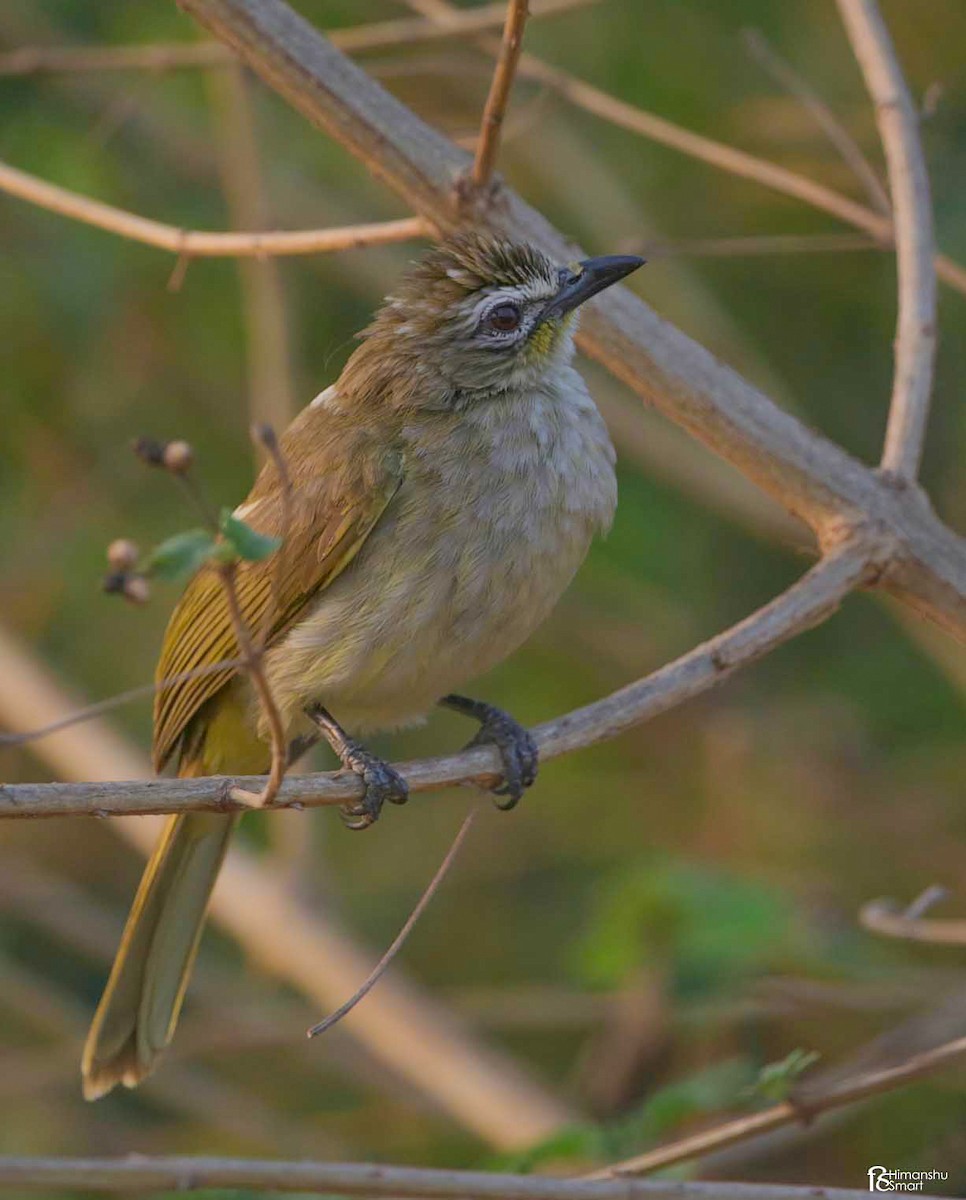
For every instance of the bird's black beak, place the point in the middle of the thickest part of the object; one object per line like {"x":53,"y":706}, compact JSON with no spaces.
{"x":593,"y":275}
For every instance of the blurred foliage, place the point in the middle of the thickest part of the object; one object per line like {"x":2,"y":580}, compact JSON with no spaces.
{"x":665,"y":915}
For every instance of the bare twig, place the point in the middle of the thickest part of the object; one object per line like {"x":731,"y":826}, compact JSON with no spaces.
{"x":807,"y":603}
{"x":787,"y":77}
{"x":841,"y":1092}
{"x":915,"y":346}
{"x":375,"y":35}
{"x":144,"y":1173}
{"x":191,"y":243}
{"x":887,"y":918}
{"x":499,"y":95}
{"x":401,"y":937}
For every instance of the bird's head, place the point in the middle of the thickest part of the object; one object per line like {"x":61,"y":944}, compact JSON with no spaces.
{"x":480,"y":314}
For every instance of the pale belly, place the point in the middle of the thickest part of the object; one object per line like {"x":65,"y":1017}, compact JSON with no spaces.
{"x":471,"y":557}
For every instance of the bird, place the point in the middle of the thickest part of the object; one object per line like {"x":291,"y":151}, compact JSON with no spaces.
{"x":437,"y":500}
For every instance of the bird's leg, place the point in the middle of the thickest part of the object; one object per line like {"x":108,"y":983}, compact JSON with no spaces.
{"x":517,"y":748}
{"x":381,"y":781}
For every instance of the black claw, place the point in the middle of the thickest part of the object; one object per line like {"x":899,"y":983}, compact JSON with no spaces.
{"x":381,"y":782}
{"x":517,"y":749}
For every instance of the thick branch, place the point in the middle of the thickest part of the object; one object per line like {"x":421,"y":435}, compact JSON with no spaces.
{"x":812,"y":478}
{"x":915,"y":346}
{"x":197,"y":243}
{"x":810,"y":601}
{"x":142,"y":1173}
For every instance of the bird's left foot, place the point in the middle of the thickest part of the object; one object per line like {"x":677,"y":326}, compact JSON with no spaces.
{"x":380,"y":781}
{"x":517,"y":748}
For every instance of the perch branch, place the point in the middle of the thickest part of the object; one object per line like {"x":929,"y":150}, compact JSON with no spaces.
{"x":804,"y":605}
{"x":915,"y":345}
{"x":192,"y":243}
{"x":886,"y":918}
{"x":499,"y":94}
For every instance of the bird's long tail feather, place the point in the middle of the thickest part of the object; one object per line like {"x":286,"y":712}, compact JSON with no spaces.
{"x":136,"y":1017}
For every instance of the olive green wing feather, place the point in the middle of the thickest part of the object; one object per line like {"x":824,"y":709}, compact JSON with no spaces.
{"x":331,"y":515}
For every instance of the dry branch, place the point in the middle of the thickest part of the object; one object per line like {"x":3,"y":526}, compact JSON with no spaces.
{"x":813,"y":478}
{"x":808,"y":602}
{"x":143,"y":1173}
{"x":886,"y":918}
{"x":499,"y":95}
{"x":915,"y":346}
{"x":806,"y":1104}
{"x":191,"y":243}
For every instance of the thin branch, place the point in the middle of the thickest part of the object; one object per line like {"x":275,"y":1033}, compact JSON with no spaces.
{"x":376,"y":35}
{"x":499,"y":94}
{"x":915,"y":346}
{"x":836,"y":1095}
{"x":787,"y":77}
{"x":402,"y":936}
{"x":189,"y":243}
{"x":807,"y":603}
{"x":885,"y":917}
{"x":146,"y":1173}
{"x":749,"y":245}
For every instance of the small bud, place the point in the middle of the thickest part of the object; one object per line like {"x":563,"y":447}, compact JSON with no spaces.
{"x":123,"y":554}
{"x":136,"y":589}
{"x":177,"y":457}
{"x":149,"y":450}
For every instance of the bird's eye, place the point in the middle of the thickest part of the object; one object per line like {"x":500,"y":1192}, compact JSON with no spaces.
{"x":504,"y":318}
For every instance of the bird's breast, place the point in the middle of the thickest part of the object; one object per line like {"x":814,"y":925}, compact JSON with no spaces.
{"x":496,"y":512}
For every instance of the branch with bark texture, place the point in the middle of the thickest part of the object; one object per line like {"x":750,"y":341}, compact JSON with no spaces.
{"x":143,"y":1173}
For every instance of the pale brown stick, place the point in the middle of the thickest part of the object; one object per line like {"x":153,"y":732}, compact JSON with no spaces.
{"x":807,"y":603}
{"x":499,"y":95}
{"x":915,"y":345}
{"x":787,"y":77}
{"x":886,"y":918}
{"x":197,"y":243}
{"x":376,"y":35}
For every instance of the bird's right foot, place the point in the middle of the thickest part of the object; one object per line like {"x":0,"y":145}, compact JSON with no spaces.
{"x":380,"y":781}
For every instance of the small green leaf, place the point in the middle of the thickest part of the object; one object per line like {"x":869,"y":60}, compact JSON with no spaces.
{"x":248,"y":544}
{"x":180,"y":555}
{"x":776,"y":1080}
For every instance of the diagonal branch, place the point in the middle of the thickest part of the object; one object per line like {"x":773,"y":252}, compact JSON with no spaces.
{"x":807,"y":603}
{"x":499,"y":94}
{"x":915,"y":346}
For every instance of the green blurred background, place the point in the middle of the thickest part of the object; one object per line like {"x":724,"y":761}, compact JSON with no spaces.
{"x":665,"y":914}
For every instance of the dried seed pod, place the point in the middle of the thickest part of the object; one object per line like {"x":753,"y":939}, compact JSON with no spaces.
{"x":149,"y":450}
{"x":136,"y":589}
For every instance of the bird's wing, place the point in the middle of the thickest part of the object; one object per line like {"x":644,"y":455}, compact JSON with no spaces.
{"x":332,"y":514}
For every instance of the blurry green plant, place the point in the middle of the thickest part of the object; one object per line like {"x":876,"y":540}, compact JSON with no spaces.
{"x":706,"y":929}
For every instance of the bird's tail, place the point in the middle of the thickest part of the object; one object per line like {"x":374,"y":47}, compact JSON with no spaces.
{"x":136,"y":1017}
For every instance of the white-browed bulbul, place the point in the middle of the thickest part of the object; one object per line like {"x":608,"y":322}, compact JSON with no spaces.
{"x":443,"y":494}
